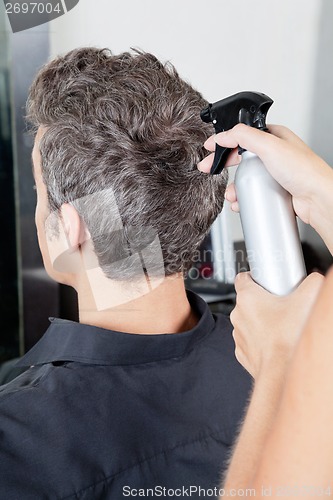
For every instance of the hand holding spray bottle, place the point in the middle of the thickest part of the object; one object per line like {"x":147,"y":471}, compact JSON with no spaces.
{"x":268,"y":219}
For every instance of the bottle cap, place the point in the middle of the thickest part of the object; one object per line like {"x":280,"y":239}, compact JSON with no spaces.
{"x":245,"y":107}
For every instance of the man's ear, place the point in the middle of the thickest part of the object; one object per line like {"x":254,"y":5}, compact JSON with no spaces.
{"x":74,"y":227}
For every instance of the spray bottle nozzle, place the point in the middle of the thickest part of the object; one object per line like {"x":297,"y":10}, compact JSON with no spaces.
{"x":245,"y":107}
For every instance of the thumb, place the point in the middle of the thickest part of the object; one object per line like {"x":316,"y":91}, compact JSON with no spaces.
{"x":244,"y":281}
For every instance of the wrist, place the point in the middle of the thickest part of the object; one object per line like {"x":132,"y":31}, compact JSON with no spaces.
{"x":321,"y":208}
{"x":272,"y":371}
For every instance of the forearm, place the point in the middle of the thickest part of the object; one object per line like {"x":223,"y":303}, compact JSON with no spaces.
{"x":285,"y":446}
{"x":297,"y":458}
{"x":257,"y":425}
{"x":266,"y":331}
{"x":299,"y":451}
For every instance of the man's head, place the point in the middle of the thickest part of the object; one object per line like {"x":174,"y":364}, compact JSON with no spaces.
{"x":121,"y":136}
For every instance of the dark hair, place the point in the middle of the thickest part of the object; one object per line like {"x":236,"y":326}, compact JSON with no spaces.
{"x":123,"y":137}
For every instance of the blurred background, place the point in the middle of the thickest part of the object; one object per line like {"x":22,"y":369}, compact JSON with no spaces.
{"x":278,"y":47}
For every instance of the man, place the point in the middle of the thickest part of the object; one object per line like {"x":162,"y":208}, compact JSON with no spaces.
{"x":144,"y":395}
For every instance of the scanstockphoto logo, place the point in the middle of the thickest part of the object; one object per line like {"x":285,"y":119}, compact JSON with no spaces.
{"x":26,"y":14}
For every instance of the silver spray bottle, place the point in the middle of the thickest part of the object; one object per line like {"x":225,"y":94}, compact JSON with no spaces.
{"x":268,"y":219}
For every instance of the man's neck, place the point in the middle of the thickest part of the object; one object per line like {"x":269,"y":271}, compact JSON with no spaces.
{"x":135,"y":308}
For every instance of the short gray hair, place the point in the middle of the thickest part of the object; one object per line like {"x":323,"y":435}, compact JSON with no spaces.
{"x":126,"y":130}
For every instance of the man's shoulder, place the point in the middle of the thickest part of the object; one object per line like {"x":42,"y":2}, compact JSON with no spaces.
{"x":30,"y":378}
